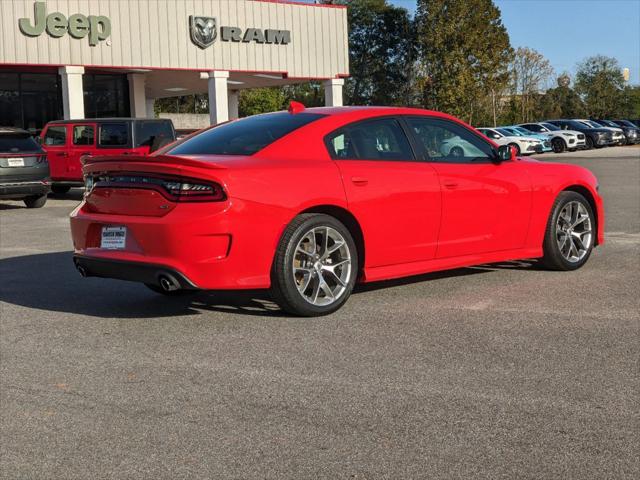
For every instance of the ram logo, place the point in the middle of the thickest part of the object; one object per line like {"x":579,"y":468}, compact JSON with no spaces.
{"x":203,"y":30}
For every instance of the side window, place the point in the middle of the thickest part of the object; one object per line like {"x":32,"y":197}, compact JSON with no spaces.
{"x":83,"y":135}
{"x":148,"y":132}
{"x":114,"y":135}
{"x":492,"y":134}
{"x":446,"y":141}
{"x":535,"y":128}
{"x":381,"y":139}
{"x":56,"y":136}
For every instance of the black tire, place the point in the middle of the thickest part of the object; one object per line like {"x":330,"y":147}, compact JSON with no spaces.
{"x":60,"y":189}
{"x":517,"y":147}
{"x":35,"y":201}
{"x":558,"y":145}
{"x":589,"y":142}
{"x":172,"y":293}
{"x":553,"y":259}
{"x":283,"y":282}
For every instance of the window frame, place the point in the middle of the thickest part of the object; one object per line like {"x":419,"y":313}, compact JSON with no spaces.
{"x":397,"y":118}
{"x":460,"y":160}
{"x":101,"y":125}
{"x":65,"y":127}
{"x":89,"y":125}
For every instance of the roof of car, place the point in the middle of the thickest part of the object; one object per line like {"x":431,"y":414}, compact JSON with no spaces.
{"x":108,"y":120}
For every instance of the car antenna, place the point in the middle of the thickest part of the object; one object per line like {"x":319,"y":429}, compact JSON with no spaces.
{"x":296,"y":107}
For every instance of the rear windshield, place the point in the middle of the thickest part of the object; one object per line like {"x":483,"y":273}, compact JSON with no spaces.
{"x":150,"y":132}
{"x":17,"y":143}
{"x":244,"y":137}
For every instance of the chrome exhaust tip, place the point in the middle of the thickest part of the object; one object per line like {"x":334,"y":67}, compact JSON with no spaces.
{"x":168,"y":283}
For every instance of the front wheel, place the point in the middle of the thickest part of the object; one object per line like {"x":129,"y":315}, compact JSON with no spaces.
{"x":570,"y":233}
{"x":558,"y":145}
{"x":315,"y":266}
{"x":517,"y":148}
{"x":35,"y":201}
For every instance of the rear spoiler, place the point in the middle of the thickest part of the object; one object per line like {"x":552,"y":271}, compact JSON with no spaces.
{"x":172,"y":160}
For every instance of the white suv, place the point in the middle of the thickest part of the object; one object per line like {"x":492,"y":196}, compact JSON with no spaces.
{"x":561,"y":140}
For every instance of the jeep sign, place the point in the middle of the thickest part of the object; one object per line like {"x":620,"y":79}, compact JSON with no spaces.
{"x":98,"y":28}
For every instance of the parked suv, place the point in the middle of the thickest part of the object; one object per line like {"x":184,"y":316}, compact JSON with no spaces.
{"x":66,"y":141}
{"x":594,"y":137}
{"x":561,"y":140}
{"x":631,"y":132}
{"x":24,"y":172}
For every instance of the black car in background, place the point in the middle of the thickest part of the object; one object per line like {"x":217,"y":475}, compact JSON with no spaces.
{"x":24,"y":170}
{"x":631,"y":131}
{"x":594,"y":137}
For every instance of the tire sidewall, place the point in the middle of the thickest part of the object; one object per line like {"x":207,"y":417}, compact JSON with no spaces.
{"x":284,"y":279}
{"x":551,"y":249}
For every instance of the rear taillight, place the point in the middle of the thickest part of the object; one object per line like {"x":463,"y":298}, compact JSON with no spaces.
{"x":173,"y":188}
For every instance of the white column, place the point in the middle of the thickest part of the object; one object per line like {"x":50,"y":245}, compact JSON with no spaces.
{"x":72,"y":92}
{"x":137,"y":98}
{"x":333,"y":92}
{"x":218,"y":97}
{"x":151,"y":102}
{"x":234,"y":99}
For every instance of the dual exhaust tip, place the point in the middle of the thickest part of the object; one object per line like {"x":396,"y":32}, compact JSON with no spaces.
{"x":166,"y":281}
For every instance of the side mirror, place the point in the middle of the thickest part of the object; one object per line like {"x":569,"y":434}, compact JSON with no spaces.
{"x":506,"y":153}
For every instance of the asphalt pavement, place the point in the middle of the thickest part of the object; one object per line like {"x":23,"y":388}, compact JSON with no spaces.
{"x":502,"y":371}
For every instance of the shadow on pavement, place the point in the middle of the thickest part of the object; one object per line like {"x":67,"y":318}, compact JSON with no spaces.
{"x":50,"y":282}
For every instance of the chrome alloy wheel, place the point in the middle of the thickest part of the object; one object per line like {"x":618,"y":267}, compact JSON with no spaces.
{"x":573,"y":231}
{"x":322,"y":266}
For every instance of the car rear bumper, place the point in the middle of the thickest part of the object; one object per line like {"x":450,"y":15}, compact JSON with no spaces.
{"x":21,"y":189}
{"x":215,"y":246}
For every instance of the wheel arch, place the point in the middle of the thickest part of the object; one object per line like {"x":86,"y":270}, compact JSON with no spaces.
{"x":348,"y":220}
{"x":586,"y":193}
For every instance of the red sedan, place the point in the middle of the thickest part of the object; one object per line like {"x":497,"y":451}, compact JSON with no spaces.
{"x":308,"y":202}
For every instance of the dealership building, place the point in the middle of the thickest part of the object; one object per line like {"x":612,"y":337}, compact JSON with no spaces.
{"x":112,"y":58}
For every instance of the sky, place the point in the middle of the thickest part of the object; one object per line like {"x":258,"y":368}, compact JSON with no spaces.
{"x":568,"y":31}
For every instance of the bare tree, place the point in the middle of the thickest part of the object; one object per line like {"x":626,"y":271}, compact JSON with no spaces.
{"x":530,"y":74}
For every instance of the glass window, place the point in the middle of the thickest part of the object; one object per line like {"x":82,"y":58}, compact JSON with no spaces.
{"x":150,"y":132}
{"x":17,"y":142}
{"x":245,"y":136}
{"x":446,"y":141}
{"x":533,"y":127}
{"x":381,"y":139}
{"x":29,"y":100}
{"x":550,"y":127}
{"x":56,"y":136}
{"x":114,"y":135}
{"x":83,"y":135}
{"x":106,"y":96}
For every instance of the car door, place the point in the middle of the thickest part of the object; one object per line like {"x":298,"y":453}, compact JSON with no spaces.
{"x":54,"y":142}
{"x":83,"y":143}
{"x":114,"y":138}
{"x":394,"y":196}
{"x":486,"y":205}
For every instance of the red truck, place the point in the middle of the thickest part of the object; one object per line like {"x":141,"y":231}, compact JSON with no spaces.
{"x":66,"y":141}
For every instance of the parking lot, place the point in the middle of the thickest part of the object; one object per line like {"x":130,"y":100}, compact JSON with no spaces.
{"x":500,"y":371}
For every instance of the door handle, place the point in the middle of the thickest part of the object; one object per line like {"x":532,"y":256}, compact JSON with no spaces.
{"x":451,"y":185}
{"x":360,"y":181}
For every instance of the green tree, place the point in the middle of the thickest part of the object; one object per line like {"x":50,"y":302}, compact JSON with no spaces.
{"x":381,"y":54}
{"x":260,"y":100}
{"x":630,"y":107}
{"x":561,"y":102}
{"x":600,"y":83}
{"x":530,"y":72}
{"x":464,"y":54}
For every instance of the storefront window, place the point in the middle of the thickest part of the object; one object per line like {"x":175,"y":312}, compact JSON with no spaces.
{"x":106,"y":96}
{"x":29,"y":100}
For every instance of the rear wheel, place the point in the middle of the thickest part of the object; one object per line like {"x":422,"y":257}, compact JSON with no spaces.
{"x":517,"y":147}
{"x":60,"y":189}
{"x":558,"y":145}
{"x":570,"y":233}
{"x":315,"y":266}
{"x":35,"y":201}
